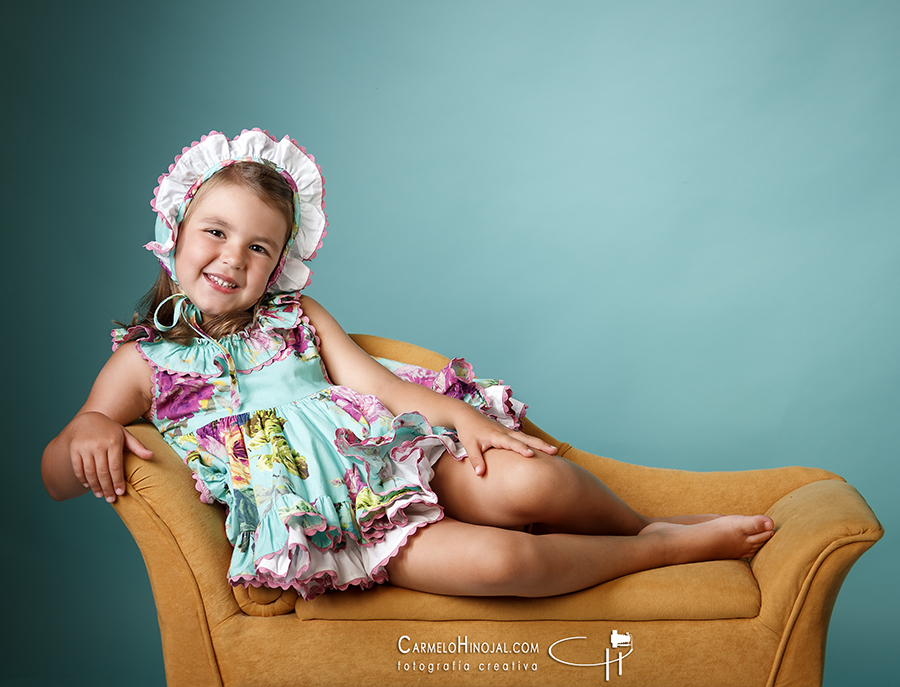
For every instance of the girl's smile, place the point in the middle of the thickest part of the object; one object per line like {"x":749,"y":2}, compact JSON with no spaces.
{"x":228,"y":246}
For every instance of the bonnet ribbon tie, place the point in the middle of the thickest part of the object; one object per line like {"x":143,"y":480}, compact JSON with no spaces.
{"x":187,"y":311}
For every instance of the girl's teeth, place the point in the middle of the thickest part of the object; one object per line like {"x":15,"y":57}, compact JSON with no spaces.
{"x":227,"y":285}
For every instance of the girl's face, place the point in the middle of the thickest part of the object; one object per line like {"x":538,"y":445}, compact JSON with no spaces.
{"x":227,"y":249}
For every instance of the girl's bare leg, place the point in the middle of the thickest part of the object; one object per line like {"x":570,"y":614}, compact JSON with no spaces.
{"x":456,"y":558}
{"x":553,"y":493}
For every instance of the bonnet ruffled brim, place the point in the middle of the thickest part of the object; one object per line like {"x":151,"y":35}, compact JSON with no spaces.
{"x":215,"y":151}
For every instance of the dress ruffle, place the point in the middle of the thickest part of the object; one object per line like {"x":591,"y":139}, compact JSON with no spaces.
{"x":272,"y":336}
{"x":457,"y":380}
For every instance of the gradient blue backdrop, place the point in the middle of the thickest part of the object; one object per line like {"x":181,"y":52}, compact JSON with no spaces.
{"x":672,"y":227}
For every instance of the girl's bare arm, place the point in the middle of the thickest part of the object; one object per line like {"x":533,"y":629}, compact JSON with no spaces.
{"x":350,"y":366}
{"x":87,"y":454}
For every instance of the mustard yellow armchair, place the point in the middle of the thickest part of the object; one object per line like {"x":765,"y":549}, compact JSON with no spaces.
{"x":762,"y":622}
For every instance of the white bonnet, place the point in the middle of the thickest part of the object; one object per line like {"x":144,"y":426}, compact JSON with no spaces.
{"x":215,"y":151}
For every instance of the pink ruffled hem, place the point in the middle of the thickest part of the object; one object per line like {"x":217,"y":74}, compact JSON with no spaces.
{"x":326,"y":580}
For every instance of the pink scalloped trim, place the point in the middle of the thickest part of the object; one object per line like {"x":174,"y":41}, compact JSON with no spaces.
{"x":311,"y":587}
{"x":132,"y":333}
{"x":381,"y":566}
{"x":309,"y":530}
{"x":326,"y":580}
{"x":172,"y":167}
{"x":509,"y":409}
{"x":312,"y":330}
{"x":316,"y":342}
{"x":243,"y":131}
{"x":154,"y":368}
{"x":205,"y":494}
{"x":321,"y":238}
{"x":154,"y":385}
{"x":290,"y":325}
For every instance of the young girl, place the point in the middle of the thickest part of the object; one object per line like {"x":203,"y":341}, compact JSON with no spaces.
{"x":337,"y":469}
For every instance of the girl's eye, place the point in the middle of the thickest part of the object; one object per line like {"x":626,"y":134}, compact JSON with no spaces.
{"x":259,"y":249}
{"x":215,"y":232}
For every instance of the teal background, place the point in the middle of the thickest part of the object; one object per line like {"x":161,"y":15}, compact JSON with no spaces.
{"x":672,"y":227}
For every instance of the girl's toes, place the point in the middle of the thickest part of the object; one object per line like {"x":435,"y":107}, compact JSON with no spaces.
{"x":759,"y":524}
{"x":760,"y":538}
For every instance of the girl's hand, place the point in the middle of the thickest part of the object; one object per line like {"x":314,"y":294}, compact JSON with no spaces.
{"x":478,"y":433}
{"x":348,"y":365}
{"x":96,"y":449}
{"x":87,"y":454}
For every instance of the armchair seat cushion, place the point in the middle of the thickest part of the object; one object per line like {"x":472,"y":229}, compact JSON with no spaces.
{"x":713,"y":590}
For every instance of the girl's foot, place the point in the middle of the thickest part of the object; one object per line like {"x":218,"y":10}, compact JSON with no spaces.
{"x":726,"y":537}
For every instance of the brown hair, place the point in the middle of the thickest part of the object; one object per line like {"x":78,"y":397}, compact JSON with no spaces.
{"x":270,"y":187}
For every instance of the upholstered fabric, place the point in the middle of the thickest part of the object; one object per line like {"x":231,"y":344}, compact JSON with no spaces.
{"x":717,"y":623}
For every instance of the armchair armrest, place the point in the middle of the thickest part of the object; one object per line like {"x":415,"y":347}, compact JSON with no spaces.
{"x":186,"y":553}
{"x":821,"y":529}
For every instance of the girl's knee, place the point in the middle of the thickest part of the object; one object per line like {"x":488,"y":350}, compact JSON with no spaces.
{"x":538,"y":485}
{"x":502,"y":568}
{"x":516,"y":491}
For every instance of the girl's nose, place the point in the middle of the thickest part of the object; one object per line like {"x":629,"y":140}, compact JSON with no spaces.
{"x":234,"y":258}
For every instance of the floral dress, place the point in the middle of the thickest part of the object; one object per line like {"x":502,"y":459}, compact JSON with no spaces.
{"x":322,"y":485}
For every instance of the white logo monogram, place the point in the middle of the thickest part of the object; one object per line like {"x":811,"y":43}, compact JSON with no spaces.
{"x":616,"y":639}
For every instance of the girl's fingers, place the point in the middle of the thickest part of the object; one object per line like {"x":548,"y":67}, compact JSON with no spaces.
{"x":524,"y":445}
{"x":78,"y":469}
{"x":503,"y":438}
{"x":98,"y":475}
{"x":89,"y":471}
{"x":104,"y":476}
{"x":476,"y":458}
{"x":136,"y":447}
{"x":116,"y":474}
{"x":536,"y":443}
{"x":517,"y":445}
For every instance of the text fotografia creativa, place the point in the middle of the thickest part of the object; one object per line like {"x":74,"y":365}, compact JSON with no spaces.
{"x":465,"y":666}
